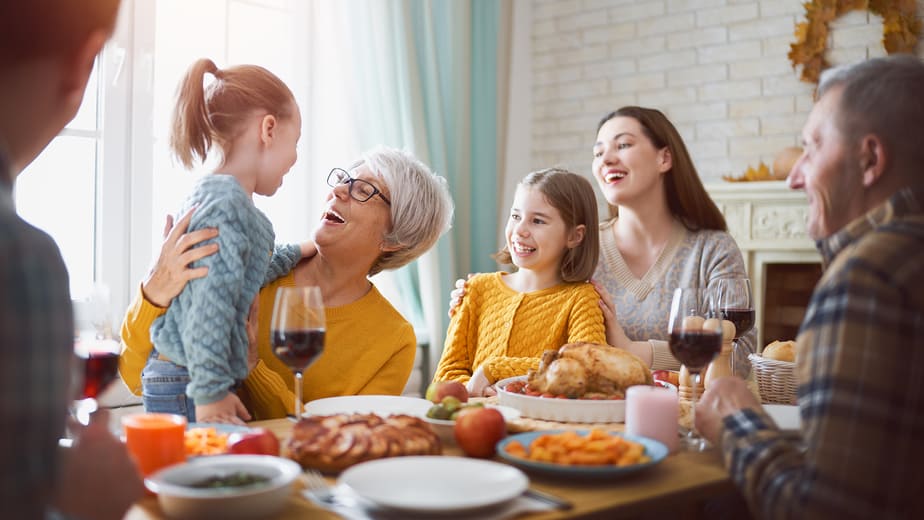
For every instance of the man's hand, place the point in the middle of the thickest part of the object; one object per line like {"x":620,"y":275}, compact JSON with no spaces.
{"x":724,"y":397}
{"x":98,"y":478}
{"x":170,"y":274}
{"x":229,"y":410}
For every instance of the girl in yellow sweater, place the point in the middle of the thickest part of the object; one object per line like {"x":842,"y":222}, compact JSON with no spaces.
{"x":507,"y":320}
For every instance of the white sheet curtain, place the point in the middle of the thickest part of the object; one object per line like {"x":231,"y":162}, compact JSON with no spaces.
{"x":410,"y":75}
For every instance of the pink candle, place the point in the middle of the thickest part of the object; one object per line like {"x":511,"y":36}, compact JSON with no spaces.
{"x":651,"y":411}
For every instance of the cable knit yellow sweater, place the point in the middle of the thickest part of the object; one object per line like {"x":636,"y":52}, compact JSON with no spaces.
{"x":507,"y":331}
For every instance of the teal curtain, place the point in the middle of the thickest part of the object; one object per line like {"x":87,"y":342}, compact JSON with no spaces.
{"x":424,"y":76}
{"x":485,"y":174}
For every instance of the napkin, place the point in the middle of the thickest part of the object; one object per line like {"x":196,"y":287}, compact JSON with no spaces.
{"x":351,"y":506}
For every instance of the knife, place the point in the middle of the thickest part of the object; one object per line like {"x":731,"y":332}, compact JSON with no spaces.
{"x":553,"y":500}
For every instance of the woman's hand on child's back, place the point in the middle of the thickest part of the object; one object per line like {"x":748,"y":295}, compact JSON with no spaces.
{"x":170,"y":274}
{"x":615,"y":336}
{"x":229,"y":410}
{"x":455,"y":297}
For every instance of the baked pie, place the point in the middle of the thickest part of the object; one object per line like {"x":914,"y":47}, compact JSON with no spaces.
{"x":332,"y":443}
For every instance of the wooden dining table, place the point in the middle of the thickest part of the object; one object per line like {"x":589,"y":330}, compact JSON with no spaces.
{"x":678,"y":485}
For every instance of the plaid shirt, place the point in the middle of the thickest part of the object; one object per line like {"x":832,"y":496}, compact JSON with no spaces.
{"x":36,"y":346}
{"x":861,"y":392}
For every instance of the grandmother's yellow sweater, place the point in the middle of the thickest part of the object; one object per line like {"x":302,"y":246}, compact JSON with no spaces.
{"x":507,"y":331}
{"x":369,"y":349}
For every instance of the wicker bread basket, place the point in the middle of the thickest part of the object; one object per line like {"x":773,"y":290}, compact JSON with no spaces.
{"x":776,"y":379}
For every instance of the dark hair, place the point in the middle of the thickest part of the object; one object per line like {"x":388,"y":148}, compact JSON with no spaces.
{"x":573,"y":196}
{"x":882,"y":96}
{"x":34,"y":28}
{"x":215,"y":113}
{"x":687,"y":199}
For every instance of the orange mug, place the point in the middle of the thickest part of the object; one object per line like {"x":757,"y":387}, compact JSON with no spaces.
{"x":155,"y":440}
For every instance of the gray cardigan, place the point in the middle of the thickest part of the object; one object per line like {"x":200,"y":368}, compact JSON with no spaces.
{"x":690,"y":259}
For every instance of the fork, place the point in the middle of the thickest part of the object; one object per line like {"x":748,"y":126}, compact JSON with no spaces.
{"x":317,"y":487}
{"x":318,"y":490}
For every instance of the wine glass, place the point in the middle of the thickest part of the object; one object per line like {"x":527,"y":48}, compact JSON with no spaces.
{"x":736,"y":304}
{"x":96,"y":351}
{"x":298,"y":328}
{"x":695,"y":338}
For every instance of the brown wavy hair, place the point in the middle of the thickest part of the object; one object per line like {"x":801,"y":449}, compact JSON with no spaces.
{"x":215,"y":114}
{"x":687,"y":199}
{"x":573,"y":196}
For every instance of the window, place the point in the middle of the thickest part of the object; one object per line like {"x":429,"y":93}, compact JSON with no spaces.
{"x":58,"y":191}
{"x":103,"y":186}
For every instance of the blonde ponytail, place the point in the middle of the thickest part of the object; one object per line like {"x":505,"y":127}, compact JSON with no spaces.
{"x":216,"y":113}
{"x":192,"y":133}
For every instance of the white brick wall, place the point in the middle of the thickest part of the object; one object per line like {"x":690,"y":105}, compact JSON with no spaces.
{"x":717,"y":68}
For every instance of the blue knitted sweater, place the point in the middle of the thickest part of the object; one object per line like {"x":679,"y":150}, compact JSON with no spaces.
{"x":203,"y":329}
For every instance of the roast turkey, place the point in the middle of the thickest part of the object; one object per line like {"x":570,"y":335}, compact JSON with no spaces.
{"x":578,"y":369}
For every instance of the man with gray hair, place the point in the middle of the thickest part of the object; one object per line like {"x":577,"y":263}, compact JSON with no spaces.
{"x":860,"y":348}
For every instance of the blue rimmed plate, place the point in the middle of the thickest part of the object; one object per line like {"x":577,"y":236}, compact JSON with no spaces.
{"x":654,"y":449}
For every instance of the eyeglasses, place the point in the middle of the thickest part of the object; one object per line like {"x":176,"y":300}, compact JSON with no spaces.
{"x":360,"y":190}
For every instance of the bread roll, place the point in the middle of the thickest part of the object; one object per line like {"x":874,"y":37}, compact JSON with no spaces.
{"x":781,"y":351}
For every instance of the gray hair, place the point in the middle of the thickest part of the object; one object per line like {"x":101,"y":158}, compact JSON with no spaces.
{"x":421,"y":207}
{"x":885,"y":97}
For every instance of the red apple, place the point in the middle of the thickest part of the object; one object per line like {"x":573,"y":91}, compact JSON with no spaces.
{"x":439,"y":390}
{"x":258,"y":441}
{"x":478,"y":430}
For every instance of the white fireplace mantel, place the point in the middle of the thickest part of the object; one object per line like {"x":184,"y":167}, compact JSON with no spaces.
{"x":767,"y":219}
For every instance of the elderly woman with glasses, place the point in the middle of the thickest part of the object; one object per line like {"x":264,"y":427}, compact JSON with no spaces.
{"x":383,"y":213}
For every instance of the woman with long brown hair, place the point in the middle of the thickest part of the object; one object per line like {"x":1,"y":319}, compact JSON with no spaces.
{"x":664,"y":232}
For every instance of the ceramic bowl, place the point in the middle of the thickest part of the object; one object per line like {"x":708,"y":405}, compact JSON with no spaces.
{"x":178,"y":497}
{"x":445,"y":428}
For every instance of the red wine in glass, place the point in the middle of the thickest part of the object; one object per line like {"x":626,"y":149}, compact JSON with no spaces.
{"x":298,"y":348}
{"x":100,"y":369}
{"x":695,"y":348}
{"x":743,"y":319}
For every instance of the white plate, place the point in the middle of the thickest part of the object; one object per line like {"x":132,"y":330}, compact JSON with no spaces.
{"x":377,"y":404}
{"x":559,"y":409}
{"x":435,"y":484}
{"x":785,"y":416}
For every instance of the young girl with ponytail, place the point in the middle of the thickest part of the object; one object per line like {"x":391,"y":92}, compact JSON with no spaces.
{"x":250,"y":118}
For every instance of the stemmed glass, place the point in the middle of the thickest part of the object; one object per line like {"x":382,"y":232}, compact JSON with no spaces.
{"x":695,"y":341}
{"x":298,"y":328}
{"x":736,"y":304}
{"x":96,"y":351}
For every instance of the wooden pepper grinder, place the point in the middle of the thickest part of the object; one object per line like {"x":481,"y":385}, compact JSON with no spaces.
{"x":685,"y":381}
{"x":685,"y":385}
{"x":721,"y":365}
